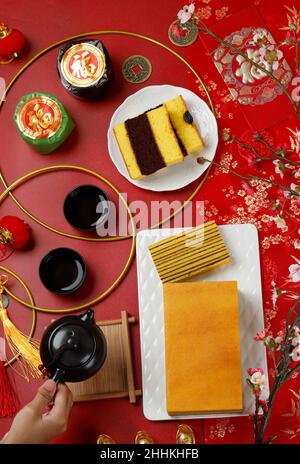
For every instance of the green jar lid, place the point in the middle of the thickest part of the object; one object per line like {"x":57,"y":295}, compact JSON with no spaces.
{"x":42,"y":121}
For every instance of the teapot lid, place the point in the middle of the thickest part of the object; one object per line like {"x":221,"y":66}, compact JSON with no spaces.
{"x":74,"y":343}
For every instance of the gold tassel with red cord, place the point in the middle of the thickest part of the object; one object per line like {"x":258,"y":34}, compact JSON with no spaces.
{"x":20,"y":344}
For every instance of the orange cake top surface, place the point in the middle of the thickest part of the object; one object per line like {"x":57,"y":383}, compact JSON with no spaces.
{"x":202,"y":346}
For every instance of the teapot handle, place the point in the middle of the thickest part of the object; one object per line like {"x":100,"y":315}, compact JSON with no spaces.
{"x":58,"y":376}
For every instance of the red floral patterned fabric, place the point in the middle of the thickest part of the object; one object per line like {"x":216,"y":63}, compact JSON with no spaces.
{"x":275,"y":213}
{"x":228,"y":198}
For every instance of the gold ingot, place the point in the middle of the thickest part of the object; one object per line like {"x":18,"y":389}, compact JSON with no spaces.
{"x":143,"y":438}
{"x":185,"y":435}
{"x":105,"y":440}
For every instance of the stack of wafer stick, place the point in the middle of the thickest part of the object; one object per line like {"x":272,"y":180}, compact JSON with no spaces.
{"x":190,"y":253}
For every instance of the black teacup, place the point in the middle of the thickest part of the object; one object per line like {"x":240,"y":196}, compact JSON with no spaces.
{"x":86,"y":207}
{"x":62,"y":271}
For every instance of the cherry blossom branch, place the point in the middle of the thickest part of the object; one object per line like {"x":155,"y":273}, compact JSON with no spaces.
{"x":277,"y":153}
{"x":296,"y":50}
{"x":237,"y":51}
{"x":292,"y":372}
{"x":266,"y":416}
{"x":251,"y":179}
{"x":276,"y":156}
{"x":282,"y":370}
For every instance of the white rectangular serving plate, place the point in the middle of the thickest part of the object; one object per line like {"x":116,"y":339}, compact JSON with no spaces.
{"x":242,"y":243}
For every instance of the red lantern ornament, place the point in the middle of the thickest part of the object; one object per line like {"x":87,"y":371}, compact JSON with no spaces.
{"x":11,"y":43}
{"x":14,"y":232}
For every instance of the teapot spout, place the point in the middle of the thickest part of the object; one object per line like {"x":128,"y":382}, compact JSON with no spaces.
{"x":88,"y":316}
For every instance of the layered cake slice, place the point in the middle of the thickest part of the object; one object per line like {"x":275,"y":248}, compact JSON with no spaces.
{"x":202,"y":348}
{"x":190,"y":253}
{"x":148,"y":143}
{"x":184,"y":126}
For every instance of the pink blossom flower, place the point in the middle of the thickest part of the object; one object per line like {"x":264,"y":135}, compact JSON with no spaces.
{"x":294,"y":270}
{"x":186,"y":13}
{"x":278,"y":168}
{"x":274,"y":295}
{"x":295,"y":198}
{"x":252,"y":371}
{"x":260,"y":336}
{"x":278,"y":341}
{"x":257,"y":380}
{"x":263,"y":404}
{"x":270,"y":57}
{"x":295,"y":354}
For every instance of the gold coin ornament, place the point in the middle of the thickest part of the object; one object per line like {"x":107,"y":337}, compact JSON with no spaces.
{"x":183,"y":35}
{"x":136,"y":69}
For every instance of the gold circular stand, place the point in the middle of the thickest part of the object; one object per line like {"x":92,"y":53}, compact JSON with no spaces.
{"x":79,"y":36}
{"x":108,"y":291}
{"x":33,"y":323}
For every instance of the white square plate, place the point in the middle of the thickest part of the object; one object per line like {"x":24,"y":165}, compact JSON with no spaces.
{"x":242,"y":243}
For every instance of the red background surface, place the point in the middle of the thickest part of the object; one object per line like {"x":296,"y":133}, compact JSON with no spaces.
{"x":87,"y":147}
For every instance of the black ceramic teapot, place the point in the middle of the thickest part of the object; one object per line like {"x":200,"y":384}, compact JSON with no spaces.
{"x":73,"y":348}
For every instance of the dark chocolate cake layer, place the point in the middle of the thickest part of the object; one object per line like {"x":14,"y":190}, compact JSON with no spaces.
{"x":143,"y":143}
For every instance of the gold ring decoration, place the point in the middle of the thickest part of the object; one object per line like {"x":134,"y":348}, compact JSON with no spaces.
{"x":33,"y":323}
{"x":109,"y":290}
{"x":89,"y":34}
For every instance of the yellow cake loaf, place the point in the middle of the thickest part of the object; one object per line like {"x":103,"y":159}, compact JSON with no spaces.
{"x":148,"y":143}
{"x":184,"y":125}
{"x":202,"y":348}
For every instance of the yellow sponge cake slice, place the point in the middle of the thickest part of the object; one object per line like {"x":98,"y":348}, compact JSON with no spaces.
{"x":148,"y":143}
{"x":184,"y":126}
{"x":202,"y":348}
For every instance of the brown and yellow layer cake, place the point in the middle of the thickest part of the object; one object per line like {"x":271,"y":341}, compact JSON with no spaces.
{"x":148,"y":143}
{"x":202,"y":348}
{"x":184,"y":126}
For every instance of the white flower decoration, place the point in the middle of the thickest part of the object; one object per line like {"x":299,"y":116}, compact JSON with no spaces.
{"x":258,"y":379}
{"x":294,"y":270}
{"x":295,"y":354}
{"x":186,"y":13}
{"x":278,"y":168}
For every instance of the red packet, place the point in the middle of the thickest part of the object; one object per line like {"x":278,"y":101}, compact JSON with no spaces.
{"x":261,"y":99}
